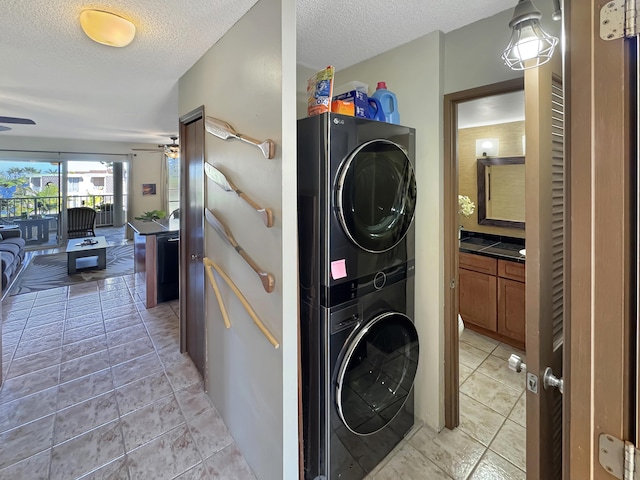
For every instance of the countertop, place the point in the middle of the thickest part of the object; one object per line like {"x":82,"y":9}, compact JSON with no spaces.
{"x":495,"y":246}
{"x":155,"y":227}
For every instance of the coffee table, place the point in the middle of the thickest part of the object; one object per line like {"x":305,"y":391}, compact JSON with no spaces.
{"x":80,"y":248}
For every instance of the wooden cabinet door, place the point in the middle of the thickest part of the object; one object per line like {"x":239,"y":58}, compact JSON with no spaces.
{"x":511,"y":309}
{"x":478,"y":298}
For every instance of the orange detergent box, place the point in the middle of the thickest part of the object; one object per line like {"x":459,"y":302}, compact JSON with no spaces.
{"x":343,"y":107}
{"x":359,"y":100}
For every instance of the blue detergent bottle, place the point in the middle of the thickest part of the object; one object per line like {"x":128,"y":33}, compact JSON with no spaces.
{"x":389,"y":103}
{"x":375,"y":110}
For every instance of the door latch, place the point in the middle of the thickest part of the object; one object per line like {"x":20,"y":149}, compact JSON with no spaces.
{"x":549,"y":380}
{"x":516,"y":364}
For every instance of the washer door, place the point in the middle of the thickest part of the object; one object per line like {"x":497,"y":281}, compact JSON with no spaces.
{"x":377,"y":373}
{"x":376,"y":195}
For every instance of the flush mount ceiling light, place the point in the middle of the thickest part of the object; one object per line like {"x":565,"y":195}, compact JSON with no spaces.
{"x":530,"y":45}
{"x":107,"y":28}
{"x":172,"y":150}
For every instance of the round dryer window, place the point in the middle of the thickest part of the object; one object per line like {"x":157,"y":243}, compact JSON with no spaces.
{"x":377,"y":373}
{"x":376,"y":195}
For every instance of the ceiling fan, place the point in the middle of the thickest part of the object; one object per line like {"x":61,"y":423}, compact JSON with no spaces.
{"x":15,"y":120}
{"x":171,"y":150}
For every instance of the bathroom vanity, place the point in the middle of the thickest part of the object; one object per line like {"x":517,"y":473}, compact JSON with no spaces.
{"x":492,"y":287}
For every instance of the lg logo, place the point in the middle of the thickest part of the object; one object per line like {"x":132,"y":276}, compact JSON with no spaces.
{"x":337,"y":121}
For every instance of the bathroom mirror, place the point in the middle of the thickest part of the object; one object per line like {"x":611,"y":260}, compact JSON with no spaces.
{"x":501,"y":191}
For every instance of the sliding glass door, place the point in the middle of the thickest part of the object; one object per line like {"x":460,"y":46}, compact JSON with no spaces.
{"x":31,"y":200}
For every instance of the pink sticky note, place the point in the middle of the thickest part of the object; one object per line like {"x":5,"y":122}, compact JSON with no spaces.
{"x":338,"y":269}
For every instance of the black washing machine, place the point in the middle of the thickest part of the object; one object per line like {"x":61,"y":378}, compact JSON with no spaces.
{"x":361,"y":362}
{"x":356,"y":203}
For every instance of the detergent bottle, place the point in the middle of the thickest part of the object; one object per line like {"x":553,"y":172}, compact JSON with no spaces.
{"x":389,"y":103}
{"x":375,"y":110}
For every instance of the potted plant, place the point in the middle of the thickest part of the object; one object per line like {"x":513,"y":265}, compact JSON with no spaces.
{"x":152,"y":215}
{"x":465,"y":209}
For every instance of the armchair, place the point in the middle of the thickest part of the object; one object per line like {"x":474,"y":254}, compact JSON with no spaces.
{"x":81,"y":222}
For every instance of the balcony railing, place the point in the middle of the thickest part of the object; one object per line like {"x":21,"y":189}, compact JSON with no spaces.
{"x":24,"y":208}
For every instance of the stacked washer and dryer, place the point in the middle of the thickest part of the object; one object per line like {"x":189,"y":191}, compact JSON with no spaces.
{"x":356,"y":203}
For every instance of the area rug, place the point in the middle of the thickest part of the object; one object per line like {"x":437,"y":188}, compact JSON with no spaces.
{"x":50,"y":271}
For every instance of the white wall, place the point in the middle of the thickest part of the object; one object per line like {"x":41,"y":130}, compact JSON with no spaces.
{"x":414,"y":73}
{"x":146,"y":167}
{"x":241,"y":80}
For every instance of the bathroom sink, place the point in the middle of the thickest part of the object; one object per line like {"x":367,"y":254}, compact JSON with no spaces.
{"x":523,"y":252}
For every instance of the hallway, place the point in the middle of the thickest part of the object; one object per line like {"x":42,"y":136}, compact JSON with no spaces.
{"x":95,"y":387}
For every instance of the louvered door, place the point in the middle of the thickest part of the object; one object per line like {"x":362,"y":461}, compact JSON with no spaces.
{"x":545,"y":194}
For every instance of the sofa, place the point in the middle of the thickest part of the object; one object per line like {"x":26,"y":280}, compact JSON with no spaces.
{"x":11,"y":254}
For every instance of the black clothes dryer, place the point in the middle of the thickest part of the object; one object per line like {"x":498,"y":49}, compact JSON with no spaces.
{"x":359,"y":366}
{"x":356,"y":204}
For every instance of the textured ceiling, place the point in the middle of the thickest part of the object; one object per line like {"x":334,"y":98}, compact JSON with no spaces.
{"x":51,"y":72}
{"x":339,"y":33}
{"x":507,"y":107}
{"x":75,"y":88}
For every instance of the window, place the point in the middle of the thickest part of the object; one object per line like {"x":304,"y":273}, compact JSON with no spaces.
{"x":36,"y":182}
{"x":98,"y":181}
{"x":74,"y":184}
{"x":173,"y":184}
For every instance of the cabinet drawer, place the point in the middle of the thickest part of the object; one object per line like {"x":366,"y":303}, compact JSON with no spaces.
{"x":477,"y":263}
{"x":511,"y":270}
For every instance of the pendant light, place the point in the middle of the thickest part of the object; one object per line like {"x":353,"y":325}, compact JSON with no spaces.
{"x":530,"y":45}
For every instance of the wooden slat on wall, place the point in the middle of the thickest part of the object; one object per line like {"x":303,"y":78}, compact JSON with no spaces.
{"x":557,"y":254}
{"x":557,"y":210}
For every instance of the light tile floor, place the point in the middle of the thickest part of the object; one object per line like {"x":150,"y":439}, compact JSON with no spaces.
{"x":95,"y":388}
{"x":489,"y":444}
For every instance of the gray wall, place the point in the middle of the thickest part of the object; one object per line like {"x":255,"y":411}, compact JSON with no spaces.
{"x":414,"y":73}
{"x":472,"y":53}
{"x":253,"y":385}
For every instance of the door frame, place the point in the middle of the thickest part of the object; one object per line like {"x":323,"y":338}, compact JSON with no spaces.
{"x":600,"y":133}
{"x":186,"y":255}
{"x":451,"y":350}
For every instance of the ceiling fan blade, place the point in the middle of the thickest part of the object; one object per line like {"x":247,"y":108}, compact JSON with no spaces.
{"x":21,"y":121}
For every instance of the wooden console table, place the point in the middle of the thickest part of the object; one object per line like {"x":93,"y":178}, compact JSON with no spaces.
{"x":156,"y":256}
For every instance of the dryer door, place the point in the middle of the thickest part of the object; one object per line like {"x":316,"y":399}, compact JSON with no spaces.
{"x":375,"y":195}
{"x":377,"y":373}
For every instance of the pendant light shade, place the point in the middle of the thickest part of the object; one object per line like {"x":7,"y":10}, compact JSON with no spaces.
{"x":172,"y":150}
{"x":530,"y":45}
{"x":107,"y":28}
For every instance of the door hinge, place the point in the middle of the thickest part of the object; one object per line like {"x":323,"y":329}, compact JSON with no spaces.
{"x":618,"y":457}
{"x":618,"y":18}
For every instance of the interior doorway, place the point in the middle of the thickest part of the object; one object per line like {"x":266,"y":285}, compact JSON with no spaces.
{"x":486,"y":148}
{"x":192,"y":287}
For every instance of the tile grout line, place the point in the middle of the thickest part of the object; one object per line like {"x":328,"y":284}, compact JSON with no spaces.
{"x":55,"y":414}
{"x":115,"y":396}
{"x":506,"y":417}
